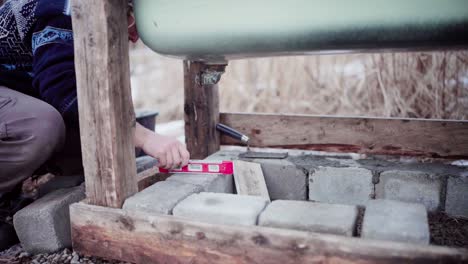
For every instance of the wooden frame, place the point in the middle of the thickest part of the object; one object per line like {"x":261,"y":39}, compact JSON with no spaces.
{"x":101,"y":228}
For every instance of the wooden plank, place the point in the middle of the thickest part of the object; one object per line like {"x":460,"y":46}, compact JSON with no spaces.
{"x":249,"y":179}
{"x":143,"y":238}
{"x":107,"y":119}
{"x":201,"y":108}
{"x":400,"y":136}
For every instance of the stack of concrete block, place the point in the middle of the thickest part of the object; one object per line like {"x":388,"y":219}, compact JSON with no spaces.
{"x":310,"y":216}
{"x":44,"y":226}
{"x":396,"y":221}
{"x":221,"y":208}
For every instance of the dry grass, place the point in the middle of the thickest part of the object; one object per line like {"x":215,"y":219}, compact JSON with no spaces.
{"x":427,"y":85}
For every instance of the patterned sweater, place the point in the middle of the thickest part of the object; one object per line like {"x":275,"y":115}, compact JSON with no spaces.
{"x":36,"y":53}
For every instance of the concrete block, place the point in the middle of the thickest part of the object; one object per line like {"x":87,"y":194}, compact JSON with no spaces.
{"x":456,"y":203}
{"x":310,"y":216}
{"x":284,"y":179}
{"x":44,"y":226}
{"x":161,"y":197}
{"x":396,"y":221}
{"x":145,"y":162}
{"x":341,"y":185}
{"x":217,"y":183}
{"x":411,"y":187}
{"x":224,"y":155}
{"x":221,"y":208}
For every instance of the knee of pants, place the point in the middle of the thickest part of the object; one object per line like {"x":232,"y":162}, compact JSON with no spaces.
{"x":37,"y":134}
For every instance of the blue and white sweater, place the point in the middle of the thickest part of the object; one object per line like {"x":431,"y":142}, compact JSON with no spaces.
{"x":36,"y":53}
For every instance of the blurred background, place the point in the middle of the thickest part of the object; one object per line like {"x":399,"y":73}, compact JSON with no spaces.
{"x":418,"y":85}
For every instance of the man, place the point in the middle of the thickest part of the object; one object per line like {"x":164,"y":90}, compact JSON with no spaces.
{"x":38,"y":102}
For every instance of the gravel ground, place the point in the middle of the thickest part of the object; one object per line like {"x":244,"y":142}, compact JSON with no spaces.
{"x":16,"y":255}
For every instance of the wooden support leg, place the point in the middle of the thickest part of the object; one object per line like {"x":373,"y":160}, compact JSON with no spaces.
{"x":201,"y":108}
{"x":107,"y":119}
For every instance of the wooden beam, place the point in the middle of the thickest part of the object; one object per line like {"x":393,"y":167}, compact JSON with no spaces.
{"x":400,"y":136}
{"x":201,"y":108}
{"x":143,"y":238}
{"x":107,"y":119}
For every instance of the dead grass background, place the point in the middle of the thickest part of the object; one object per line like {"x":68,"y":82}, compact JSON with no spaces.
{"x":425,"y":85}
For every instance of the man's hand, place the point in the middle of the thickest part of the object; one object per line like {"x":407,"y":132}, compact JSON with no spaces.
{"x":169,"y":151}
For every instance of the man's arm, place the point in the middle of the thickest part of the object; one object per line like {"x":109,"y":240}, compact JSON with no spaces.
{"x":169,"y":151}
{"x":54,"y":79}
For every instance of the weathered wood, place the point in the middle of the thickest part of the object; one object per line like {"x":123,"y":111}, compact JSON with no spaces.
{"x":418,"y":137}
{"x":149,"y":177}
{"x":107,"y":119}
{"x":249,"y":179}
{"x":143,"y":238}
{"x":201,"y":108}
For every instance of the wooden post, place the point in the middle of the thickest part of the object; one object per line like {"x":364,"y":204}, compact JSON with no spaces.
{"x":201,"y":108}
{"x":107,"y":119}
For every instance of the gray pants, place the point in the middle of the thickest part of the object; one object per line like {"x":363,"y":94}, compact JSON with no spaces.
{"x":32,"y":133}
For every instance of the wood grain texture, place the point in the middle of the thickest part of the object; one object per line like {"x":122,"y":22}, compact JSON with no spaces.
{"x":417,"y":137}
{"x":249,"y":179}
{"x":107,"y":119}
{"x":201,"y":109}
{"x":143,"y":238}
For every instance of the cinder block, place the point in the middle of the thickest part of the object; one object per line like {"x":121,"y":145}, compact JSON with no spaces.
{"x":411,"y":187}
{"x":145,"y":162}
{"x":44,"y":226}
{"x":224,"y":155}
{"x":161,"y":197}
{"x":310,"y":216}
{"x":284,"y":179}
{"x":221,"y":208}
{"x":396,"y":221}
{"x":456,"y":203}
{"x":341,"y":185}
{"x":217,"y":183}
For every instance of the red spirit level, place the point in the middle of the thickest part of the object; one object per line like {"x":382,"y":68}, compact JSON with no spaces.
{"x":203,"y":166}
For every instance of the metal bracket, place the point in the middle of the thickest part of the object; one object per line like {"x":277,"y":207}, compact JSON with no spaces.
{"x":211,"y":75}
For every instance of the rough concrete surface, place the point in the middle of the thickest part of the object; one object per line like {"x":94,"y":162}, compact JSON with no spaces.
{"x":411,"y":187}
{"x":217,"y":183}
{"x":311,"y":216}
{"x":341,"y":185}
{"x":396,"y":221}
{"x":224,"y":155}
{"x":221,"y":208}
{"x":456,"y":203}
{"x":44,"y":226}
{"x":160,"y":197}
{"x":284,"y":180}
